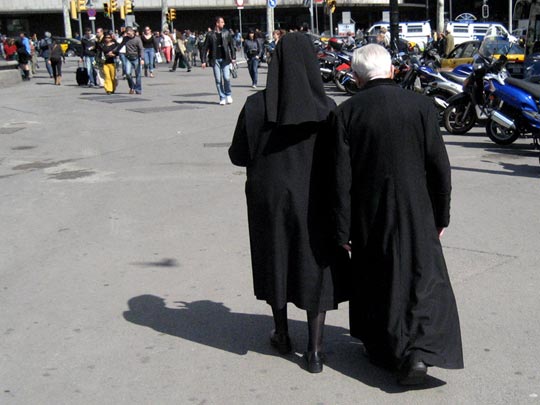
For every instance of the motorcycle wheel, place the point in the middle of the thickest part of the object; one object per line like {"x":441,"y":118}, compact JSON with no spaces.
{"x":459,"y":118}
{"x":351,"y":87}
{"x":337,"y":81}
{"x":501,"y":135}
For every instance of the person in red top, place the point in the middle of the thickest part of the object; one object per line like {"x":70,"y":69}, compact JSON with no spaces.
{"x":10,"y":49}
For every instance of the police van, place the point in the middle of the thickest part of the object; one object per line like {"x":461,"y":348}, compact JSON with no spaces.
{"x":463,"y":31}
{"x":418,"y":32}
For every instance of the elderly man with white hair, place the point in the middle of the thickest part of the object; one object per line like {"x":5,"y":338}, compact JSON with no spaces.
{"x":392,"y":203}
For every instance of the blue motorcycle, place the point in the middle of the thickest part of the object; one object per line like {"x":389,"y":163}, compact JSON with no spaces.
{"x":517,"y":112}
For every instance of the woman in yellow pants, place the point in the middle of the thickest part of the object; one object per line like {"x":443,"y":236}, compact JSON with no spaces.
{"x":108,"y":56}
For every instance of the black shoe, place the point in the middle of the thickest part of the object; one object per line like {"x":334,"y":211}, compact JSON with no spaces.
{"x":314,"y":361}
{"x":172,"y":70}
{"x":281,"y":342}
{"x":189,"y":70}
{"x":413,"y":372}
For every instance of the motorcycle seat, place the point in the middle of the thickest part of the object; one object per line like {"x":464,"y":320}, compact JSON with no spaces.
{"x":532,"y":88}
{"x":453,"y":77}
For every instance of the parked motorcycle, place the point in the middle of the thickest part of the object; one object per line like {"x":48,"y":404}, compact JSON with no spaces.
{"x":474,"y":104}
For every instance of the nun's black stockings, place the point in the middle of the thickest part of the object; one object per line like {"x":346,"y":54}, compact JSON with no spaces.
{"x":316,"y":328}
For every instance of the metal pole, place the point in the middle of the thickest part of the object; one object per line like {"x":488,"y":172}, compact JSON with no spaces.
{"x":80,"y":23}
{"x":268,"y":20}
{"x":112,"y":22}
{"x":311,"y":12}
{"x":449,"y":10}
{"x":240,"y":18}
{"x":440,"y":15}
{"x":331,"y":25}
{"x":67,"y":19}
{"x":317,"y":18}
{"x":93,"y":27}
{"x":164,"y":10}
{"x":394,"y":23}
{"x":510,"y":16}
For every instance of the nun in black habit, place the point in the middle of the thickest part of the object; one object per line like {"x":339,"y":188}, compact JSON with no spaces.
{"x":281,"y":138}
{"x":392,"y":203}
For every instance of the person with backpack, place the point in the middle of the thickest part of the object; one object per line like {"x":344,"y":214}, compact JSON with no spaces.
{"x":45,"y":46}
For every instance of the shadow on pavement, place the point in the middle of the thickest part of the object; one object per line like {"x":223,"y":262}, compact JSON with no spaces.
{"x":213,"y":324}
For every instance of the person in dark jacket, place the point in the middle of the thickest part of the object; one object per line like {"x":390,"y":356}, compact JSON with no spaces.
{"x":392,"y":203}
{"x":253,"y":51}
{"x":281,"y":138}
{"x":219,"y":51}
{"x":135,"y":60}
{"x":45,"y":46}
{"x":55,"y":60}
{"x":88,"y":55}
{"x":24,"y":58}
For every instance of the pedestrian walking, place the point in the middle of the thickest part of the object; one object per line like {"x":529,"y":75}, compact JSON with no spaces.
{"x":23,"y":56}
{"x":282,"y":138}
{"x":108,"y":52}
{"x":151,"y":46}
{"x":253,"y":52}
{"x":34,"y":65}
{"x":55,"y":60}
{"x":392,"y":204}
{"x":167,"y":45}
{"x":88,"y":55}
{"x":135,"y":60}
{"x":45,"y":46}
{"x":180,"y":58}
{"x":218,"y":49}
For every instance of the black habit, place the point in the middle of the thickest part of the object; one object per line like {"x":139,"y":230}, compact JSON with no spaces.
{"x":393,"y":192}
{"x":282,"y":138}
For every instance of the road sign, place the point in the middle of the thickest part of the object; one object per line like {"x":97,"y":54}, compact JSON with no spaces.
{"x":272,"y":3}
{"x":91,"y":12}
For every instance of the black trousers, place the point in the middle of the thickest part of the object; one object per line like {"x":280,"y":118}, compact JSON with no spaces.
{"x":180,"y":56}
{"x":56,"y":65}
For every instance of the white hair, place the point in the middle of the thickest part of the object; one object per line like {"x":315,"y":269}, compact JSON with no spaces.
{"x":372,"y":62}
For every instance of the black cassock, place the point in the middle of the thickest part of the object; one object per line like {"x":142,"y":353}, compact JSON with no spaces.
{"x":393,"y":191}
{"x":289,"y":174}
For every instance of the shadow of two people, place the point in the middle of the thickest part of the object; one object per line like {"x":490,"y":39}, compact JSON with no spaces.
{"x":213,"y":324}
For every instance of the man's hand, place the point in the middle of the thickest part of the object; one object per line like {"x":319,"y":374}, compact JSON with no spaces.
{"x":142,"y":61}
{"x":347,"y":247}
{"x":203,"y":65}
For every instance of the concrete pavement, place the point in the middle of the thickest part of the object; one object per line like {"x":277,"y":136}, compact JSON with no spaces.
{"x":125,"y":273}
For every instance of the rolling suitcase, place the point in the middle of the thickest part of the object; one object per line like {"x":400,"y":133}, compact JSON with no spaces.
{"x":81,"y":76}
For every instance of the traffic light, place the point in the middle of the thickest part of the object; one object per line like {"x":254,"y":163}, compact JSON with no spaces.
{"x":81,"y":5}
{"x":114,"y":6}
{"x":73,"y":10}
{"x":128,"y":6}
{"x":106,"y":9}
{"x":172,"y":14}
{"x":122,"y":13}
{"x":331,"y":6}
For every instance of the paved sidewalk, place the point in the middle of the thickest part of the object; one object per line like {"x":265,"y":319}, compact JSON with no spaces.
{"x":124,"y":260}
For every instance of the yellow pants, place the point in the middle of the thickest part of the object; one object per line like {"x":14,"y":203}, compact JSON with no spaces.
{"x":109,"y":73}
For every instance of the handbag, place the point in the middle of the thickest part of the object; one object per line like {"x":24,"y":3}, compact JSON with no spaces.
{"x":159,"y":58}
{"x":234,"y":70}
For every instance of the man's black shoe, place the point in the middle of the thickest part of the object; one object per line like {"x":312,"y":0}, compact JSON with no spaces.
{"x":413,"y":373}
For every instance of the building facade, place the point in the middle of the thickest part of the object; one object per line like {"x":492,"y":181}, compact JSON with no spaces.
{"x":48,"y":15}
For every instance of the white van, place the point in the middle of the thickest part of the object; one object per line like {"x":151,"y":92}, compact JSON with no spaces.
{"x":469,"y":31}
{"x":418,"y":32}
